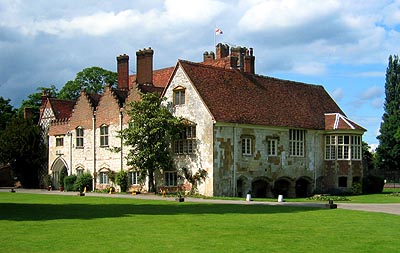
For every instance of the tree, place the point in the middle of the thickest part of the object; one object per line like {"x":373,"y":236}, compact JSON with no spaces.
{"x":92,"y":80}
{"x":22,"y":148}
{"x":7,"y":112}
{"x":151,"y":128}
{"x":35,"y":100}
{"x":389,"y":145}
{"x":194,"y":179}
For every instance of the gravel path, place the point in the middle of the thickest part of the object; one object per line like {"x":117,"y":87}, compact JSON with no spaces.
{"x":382,"y":208}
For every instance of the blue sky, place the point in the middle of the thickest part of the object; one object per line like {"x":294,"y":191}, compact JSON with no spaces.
{"x":342,"y":45}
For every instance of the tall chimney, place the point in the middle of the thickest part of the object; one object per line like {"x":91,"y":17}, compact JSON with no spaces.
{"x":249,"y":60}
{"x":222,"y":50}
{"x":28,"y":112}
{"x":144,"y":66}
{"x":233,"y":62}
{"x":123,"y":72}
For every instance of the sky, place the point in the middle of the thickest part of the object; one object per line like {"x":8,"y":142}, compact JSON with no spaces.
{"x":342,"y":45}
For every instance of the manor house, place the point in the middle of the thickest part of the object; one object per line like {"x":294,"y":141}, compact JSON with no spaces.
{"x":250,"y":132}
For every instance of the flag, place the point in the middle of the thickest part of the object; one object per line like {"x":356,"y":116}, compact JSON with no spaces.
{"x":218,"y":31}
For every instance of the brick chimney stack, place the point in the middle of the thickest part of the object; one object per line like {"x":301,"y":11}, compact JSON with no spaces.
{"x":123,"y":72}
{"x":144,"y":66}
{"x":222,"y":51}
{"x":208,"y":57}
{"x":249,"y":61}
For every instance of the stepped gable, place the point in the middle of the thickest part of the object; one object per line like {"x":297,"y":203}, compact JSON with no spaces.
{"x":234,"y":96}
{"x":337,"y":121}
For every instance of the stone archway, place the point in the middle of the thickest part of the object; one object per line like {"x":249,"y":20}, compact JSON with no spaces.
{"x":241,"y":186}
{"x":261,"y":188}
{"x":59,"y":170}
{"x":303,"y":187}
{"x":283,"y":187}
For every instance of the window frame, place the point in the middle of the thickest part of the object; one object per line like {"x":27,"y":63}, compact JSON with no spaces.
{"x":103,"y":178}
{"x":343,"y":147}
{"x":187,"y":142}
{"x":133,"y":177}
{"x":104,"y":134}
{"x":272,"y":147}
{"x":247,"y":145}
{"x":170,"y":176}
{"x":179,"y":96}
{"x":60,"y":141}
{"x":297,"y":139}
{"x":79,"y":137}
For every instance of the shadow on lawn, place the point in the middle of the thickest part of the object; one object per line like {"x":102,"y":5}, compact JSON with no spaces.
{"x":41,"y":212}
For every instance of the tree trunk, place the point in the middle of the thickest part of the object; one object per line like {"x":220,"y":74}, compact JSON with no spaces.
{"x":151,"y":182}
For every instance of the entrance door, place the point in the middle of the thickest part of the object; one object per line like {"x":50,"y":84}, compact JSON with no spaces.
{"x":60,"y":171}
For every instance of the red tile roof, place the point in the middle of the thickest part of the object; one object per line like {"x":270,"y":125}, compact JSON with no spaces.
{"x":336,"y":121}
{"x":237,"y":97}
{"x":62,"y":108}
{"x":160,"y":77}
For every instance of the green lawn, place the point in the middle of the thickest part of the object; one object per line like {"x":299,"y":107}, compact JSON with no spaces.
{"x":56,"y":223}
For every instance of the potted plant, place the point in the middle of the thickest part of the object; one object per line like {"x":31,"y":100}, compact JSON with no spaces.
{"x":47,"y":180}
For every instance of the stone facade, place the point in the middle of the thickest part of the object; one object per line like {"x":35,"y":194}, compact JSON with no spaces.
{"x":242,"y":129}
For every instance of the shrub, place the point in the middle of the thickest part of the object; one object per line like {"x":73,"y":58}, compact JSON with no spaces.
{"x":69,"y":182}
{"x":121,"y":179}
{"x":372,"y":184}
{"x":356,"y":189}
{"x":84,"y":180}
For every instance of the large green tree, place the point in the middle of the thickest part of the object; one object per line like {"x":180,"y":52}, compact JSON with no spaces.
{"x":92,"y":80}
{"x":22,"y":148}
{"x":389,"y":145}
{"x":151,"y":128}
{"x":7,"y":112}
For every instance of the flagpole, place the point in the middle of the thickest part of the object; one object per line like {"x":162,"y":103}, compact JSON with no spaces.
{"x":215,"y":35}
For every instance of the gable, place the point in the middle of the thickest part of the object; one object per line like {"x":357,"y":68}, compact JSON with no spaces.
{"x":108,"y":109}
{"x":194,"y":108}
{"x":83,"y":111}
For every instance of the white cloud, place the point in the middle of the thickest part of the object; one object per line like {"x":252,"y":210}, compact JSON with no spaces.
{"x":310,"y":68}
{"x":274,"y":14}
{"x":372,"y":92}
{"x":338,"y":94}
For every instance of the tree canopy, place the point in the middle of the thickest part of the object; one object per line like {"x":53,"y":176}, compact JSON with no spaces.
{"x":389,"y":143}
{"x":151,"y":128}
{"x":7,"y":112}
{"x":22,"y":148}
{"x":92,"y":79}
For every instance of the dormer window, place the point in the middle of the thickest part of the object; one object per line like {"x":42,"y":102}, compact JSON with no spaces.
{"x":179,"y":96}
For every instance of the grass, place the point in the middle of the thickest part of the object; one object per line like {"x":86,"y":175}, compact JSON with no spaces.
{"x":56,"y":223}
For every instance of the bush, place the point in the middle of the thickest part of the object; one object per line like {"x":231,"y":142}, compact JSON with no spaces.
{"x":372,"y":184}
{"x":356,"y":189}
{"x":69,"y":182}
{"x":85,"y":180}
{"x":121,"y":179}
